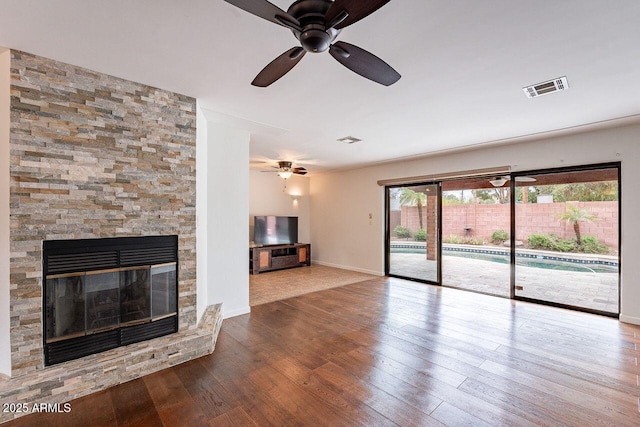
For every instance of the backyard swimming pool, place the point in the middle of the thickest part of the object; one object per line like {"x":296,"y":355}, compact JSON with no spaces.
{"x":562,"y":262}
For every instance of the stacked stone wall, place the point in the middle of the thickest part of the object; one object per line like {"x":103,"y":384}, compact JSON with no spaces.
{"x":93,"y":156}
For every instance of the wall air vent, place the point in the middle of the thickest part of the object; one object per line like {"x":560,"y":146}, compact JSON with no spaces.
{"x":546,"y":88}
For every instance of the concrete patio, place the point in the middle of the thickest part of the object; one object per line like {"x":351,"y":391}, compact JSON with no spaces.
{"x":595,"y":291}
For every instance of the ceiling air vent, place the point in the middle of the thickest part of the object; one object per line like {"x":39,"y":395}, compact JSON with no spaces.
{"x":546,"y":88}
{"x":349,"y":140}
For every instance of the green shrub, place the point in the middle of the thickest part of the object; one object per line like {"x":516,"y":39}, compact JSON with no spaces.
{"x":459,"y":240}
{"x":453,"y":239}
{"x":421,"y":235}
{"x":473,"y":241}
{"x":563,"y":245}
{"x":539,"y":241}
{"x":402,"y":232}
{"x":551,"y":242}
{"x":499,"y":237}
{"x":591,"y":245}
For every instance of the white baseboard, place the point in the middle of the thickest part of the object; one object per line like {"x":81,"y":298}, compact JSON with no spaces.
{"x":630,"y":319}
{"x":346,"y":267}
{"x":237,"y":312}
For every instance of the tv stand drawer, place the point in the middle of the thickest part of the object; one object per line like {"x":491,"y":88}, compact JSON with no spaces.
{"x":284,"y":261}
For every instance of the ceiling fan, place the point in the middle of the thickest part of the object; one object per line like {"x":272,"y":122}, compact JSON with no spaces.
{"x":499,"y":181}
{"x":286,"y":169}
{"x":316,"y":24}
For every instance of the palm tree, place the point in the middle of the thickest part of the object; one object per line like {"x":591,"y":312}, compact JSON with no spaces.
{"x":574,"y":215}
{"x":408,"y":197}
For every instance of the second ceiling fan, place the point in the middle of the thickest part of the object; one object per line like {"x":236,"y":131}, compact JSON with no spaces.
{"x":286,"y":169}
{"x":316,"y":24}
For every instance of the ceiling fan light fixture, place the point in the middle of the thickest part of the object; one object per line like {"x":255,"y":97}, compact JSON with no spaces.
{"x":285,"y":174}
{"x":498,"y":181}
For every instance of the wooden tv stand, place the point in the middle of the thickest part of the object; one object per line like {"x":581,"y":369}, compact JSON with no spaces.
{"x":276,"y":257}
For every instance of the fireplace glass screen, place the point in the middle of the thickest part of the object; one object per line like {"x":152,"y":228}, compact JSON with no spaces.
{"x":101,"y":301}
{"x":65,"y":306}
{"x":85,"y":303}
{"x":103,"y":293}
{"x":163,"y":293}
{"x":134,"y":295}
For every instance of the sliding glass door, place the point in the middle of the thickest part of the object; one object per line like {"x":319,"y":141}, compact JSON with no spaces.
{"x":412,"y":232}
{"x":567,"y":238}
{"x":547,"y":236}
{"x":475,"y":235}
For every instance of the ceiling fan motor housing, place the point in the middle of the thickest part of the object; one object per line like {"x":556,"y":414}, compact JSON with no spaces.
{"x":315,"y":37}
{"x":315,"y":41}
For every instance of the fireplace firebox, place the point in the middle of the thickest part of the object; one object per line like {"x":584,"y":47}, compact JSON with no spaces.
{"x":100,"y":294}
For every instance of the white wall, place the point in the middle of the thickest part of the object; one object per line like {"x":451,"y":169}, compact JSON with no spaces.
{"x":5,"y":336}
{"x":226,"y":276}
{"x":266,"y":197}
{"x":341,"y":201}
{"x":343,"y":234}
{"x":202,"y":270}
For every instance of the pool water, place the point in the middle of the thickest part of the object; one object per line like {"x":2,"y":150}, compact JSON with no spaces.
{"x":522,"y":261}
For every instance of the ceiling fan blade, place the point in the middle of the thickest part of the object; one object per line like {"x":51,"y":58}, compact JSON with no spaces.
{"x":357,"y":9}
{"x":299,"y":171}
{"x":279,"y":67}
{"x":364,"y":63}
{"x":266,"y":10}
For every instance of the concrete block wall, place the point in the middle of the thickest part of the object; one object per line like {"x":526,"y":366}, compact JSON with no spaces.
{"x":540,"y":218}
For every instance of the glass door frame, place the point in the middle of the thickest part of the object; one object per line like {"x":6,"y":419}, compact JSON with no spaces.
{"x":512,"y":237}
{"x":387,"y":227}
{"x":512,"y":234}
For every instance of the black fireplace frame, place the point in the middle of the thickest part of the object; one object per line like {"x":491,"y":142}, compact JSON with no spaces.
{"x":80,"y":255}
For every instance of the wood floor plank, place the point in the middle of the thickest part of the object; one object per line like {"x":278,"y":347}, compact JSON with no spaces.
{"x":345,"y":401}
{"x":435,"y":388}
{"x":132,"y":404}
{"x":95,"y":409}
{"x":517,"y":398}
{"x":183,"y":413}
{"x":388,"y":352}
{"x":165,"y":389}
{"x":452,"y":416}
{"x":580,"y":372}
{"x":599,"y":409}
{"x":381,"y":401}
{"x":204,"y":391}
{"x":237,"y":417}
{"x":292,"y":403}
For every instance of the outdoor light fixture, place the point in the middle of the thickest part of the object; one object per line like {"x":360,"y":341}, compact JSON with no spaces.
{"x":498,"y":181}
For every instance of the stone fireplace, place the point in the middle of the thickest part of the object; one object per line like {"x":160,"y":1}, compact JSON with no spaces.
{"x":95,"y":158}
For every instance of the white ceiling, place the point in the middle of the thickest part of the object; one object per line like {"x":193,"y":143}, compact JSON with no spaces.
{"x":463,"y":66}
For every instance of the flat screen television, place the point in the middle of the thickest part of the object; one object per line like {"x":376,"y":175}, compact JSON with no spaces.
{"x":275,"y":230}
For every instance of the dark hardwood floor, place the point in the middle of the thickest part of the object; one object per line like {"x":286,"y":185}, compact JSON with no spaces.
{"x":389,"y":352}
